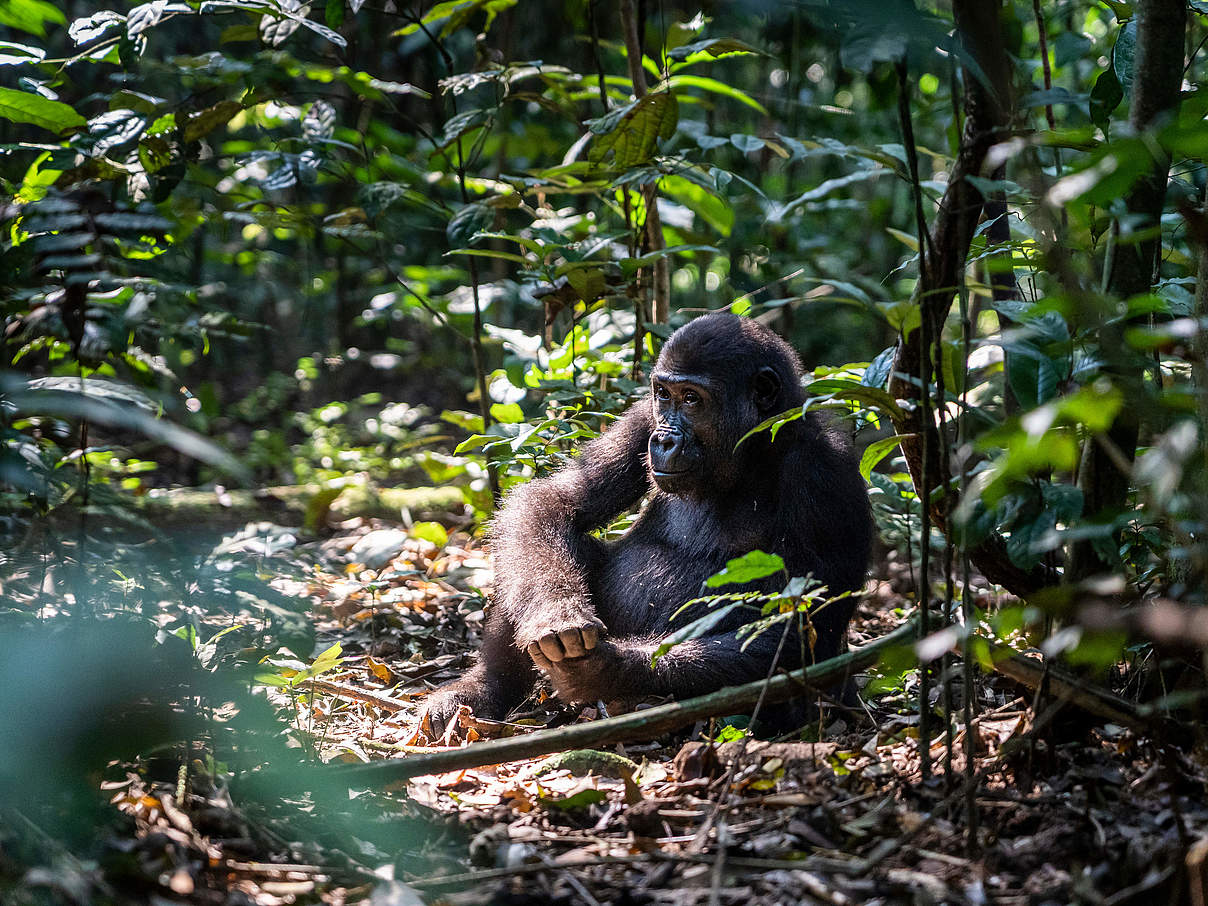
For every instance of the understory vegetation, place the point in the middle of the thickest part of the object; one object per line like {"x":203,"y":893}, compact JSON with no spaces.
{"x":293,"y":293}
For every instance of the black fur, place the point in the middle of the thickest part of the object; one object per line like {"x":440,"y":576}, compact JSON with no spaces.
{"x":590,"y":614}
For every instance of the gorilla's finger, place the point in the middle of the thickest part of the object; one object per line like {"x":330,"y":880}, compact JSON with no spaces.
{"x":572,"y":643}
{"x":542,"y":662}
{"x":551,"y":647}
{"x":591,"y":636}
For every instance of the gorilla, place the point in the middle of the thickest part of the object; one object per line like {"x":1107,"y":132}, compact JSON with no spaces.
{"x":589,"y":613}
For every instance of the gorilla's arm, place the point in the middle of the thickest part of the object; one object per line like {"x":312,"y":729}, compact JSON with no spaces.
{"x":542,"y":547}
{"x":543,"y":557}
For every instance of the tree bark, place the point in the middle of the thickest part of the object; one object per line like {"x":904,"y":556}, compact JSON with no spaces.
{"x":987,"y":108}
{"x":1157,"y":77}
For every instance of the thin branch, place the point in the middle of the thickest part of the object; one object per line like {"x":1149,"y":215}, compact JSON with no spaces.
{"x":639,"y":725}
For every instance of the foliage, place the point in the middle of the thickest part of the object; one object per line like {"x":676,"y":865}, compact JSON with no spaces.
{"x":267,"y":242}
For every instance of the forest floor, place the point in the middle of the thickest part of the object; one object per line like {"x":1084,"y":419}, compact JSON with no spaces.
{"x":1068,"y":809}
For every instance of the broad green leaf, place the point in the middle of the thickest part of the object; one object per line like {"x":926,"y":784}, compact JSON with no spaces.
{"x":206,"y":121}
{"x":30,"y":15}
{"x":104,"y":411}
{"x":144,"y":16}
{"x":469,"y":220}
{"x":872,"y":397}
{"x":13,"y":54}
{"x":507,"y":413}
{"x":701,"y":199}
{"x":747,"y":568}
{"x":878,"y":450}
{"x":773,"y":424}
{"x":1124,"y":55}
{"x":82,"y":31}
{"x":274,"y":30}
{"x":474,"y":442}
{"x":829,"y":188}
{"x":909,"y":240}
{"x":490,"y":253}
{"x":631,"y":265}
{"x":26,"y":107}
{"x":631,"y":135}
{"x":711,"y":49}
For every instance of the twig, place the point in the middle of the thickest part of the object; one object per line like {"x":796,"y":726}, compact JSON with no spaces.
{"x":343,"y":690}
{"x":472,"y":878}
{"x":640,"y":725}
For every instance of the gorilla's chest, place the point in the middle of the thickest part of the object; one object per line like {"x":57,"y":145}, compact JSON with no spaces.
{"x":661,"y":564}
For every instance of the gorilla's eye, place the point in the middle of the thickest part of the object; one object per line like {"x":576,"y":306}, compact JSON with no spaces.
{"x":661,"y":393}
{"x":691,"y":397}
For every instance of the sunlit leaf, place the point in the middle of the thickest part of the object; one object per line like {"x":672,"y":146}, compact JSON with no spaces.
{"x":26,"y":107}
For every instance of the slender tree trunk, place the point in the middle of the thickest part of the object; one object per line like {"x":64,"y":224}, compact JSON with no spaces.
{"x":630,"y":21}
{"x":1158,"y":74}
{"x":987,"y":111}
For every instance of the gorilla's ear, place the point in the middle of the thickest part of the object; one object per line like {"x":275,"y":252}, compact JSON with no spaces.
{"x":766,"y":386}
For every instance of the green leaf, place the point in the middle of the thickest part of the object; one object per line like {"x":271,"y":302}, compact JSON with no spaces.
{"x":144,"y":16}
{"x":206,"y":121}
{"x":13,"y":54}
{"x":469,"y":220}
{"x":773,"y":423}
{"x":711,"y":49}
{"x":872,"y":397}
{"x":474,"y":442}
{"x":84,"y":30}
{"x":1124,"y":55}
{"x":878,"y":450}
{"x":432,"y":532}
{"x":333,"y":13}
{"x":469,"y":421}
{"x":30,"y":15}
{"x":630,"y":266}
{"x":104,"y":411}
{"x":26,"y":107}
{"x":489,"y":253}
{"x":694,"y":630}
{"x":631,"y":134}
{"x":747,"y":568}
{"x":1105,"y":98}
{"x":714,"y":87}
{"x":507,"y":413}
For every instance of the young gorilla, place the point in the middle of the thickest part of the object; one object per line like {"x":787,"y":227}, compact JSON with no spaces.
{"x":589,"y":614}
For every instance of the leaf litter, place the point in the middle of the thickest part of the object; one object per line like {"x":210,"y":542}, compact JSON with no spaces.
{"x":1072,"y":811}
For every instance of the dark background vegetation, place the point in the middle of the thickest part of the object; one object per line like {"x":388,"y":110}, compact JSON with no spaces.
{"x":387,"y":260}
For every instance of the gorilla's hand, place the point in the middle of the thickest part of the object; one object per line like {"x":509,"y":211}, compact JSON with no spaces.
{"x":441,"y":707}
{"x":564,"y":640}
{"x":559,"y":630}
{"x":594,"y":676}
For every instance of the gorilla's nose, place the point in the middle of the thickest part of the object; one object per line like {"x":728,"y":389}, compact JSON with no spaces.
{"x":665,"y":447}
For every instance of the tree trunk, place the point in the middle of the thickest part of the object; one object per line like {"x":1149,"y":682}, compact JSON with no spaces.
{"x":1158,"y":74}
{"x":987,"y":108}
